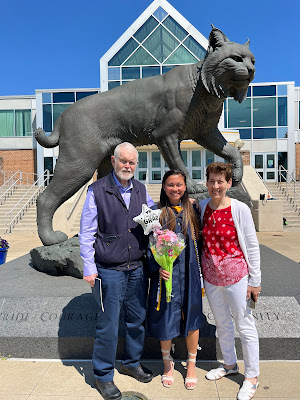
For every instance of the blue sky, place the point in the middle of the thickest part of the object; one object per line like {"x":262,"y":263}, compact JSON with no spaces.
{"x":58,"y":43}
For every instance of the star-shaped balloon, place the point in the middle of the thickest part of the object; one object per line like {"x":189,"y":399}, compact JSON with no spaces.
{"x":149,"y":219}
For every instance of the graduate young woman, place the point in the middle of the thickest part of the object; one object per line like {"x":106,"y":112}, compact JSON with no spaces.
{"x":231,"y":268}
{"x":181,"y":316}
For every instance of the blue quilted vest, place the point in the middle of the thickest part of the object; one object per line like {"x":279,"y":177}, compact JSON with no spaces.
{"x":120,"y":242}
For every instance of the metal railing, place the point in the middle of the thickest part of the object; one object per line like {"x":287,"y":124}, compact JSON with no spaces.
{"x":266,"y":186}
{"x":12,"y":180}
{"x":13,"y":220}
{"x":78,"y":197}
{"x":286,"y":182}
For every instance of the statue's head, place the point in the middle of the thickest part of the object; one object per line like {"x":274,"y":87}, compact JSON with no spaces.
{"x":228,"y":67}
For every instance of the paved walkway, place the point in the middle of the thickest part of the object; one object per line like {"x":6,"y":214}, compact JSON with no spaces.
{"x":57,"y":380}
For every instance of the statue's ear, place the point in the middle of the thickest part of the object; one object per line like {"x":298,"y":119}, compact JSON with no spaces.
{"x":216,"y":38}
{"x":247,"y":43}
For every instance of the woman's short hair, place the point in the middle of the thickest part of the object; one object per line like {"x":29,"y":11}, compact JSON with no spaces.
{"x":219,"y":168}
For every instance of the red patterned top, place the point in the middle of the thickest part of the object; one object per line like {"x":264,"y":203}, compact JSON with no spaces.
{"x":222,"y":260}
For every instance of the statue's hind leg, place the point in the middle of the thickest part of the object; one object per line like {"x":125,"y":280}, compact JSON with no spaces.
{"x":63,"y":185}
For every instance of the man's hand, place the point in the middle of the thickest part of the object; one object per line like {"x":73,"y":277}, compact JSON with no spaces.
{"x":90,"y":279}
{"x":255,"y":291}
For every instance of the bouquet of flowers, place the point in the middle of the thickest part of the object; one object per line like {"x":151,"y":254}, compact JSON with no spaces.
{"x":166,"y":246}
{"x":3,"y":244}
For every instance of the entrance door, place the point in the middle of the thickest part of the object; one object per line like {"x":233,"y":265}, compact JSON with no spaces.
{"x":265,"y":165}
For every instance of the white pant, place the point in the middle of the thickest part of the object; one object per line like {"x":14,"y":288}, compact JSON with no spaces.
{"x":232,"y":298}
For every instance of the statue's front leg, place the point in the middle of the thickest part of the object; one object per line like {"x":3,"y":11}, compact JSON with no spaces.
{"x":169,"y":148}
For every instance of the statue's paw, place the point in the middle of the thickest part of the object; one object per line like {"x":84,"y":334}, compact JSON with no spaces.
{"x":53,"y":238}
{"x":196,"y":188}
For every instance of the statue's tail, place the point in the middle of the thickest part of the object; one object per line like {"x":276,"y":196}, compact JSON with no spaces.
{"x":53,"y":139}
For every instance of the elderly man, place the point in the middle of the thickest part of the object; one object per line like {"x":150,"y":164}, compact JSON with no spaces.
{"x":112,"y":246}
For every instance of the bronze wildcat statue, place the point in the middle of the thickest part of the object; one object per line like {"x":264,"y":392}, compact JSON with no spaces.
{"x":185,"y":103}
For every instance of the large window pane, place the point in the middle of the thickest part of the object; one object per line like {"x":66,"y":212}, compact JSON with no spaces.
{"x":142,"y":159}
{"x":6,"y":123}
{"x":23,"y":123}
{"x":282,"y":111}
{"x":196,"y":158}
{"x":264,"y":133}
{"x":46,"y":98}
{"x":114,"y":74}
{"x":239,"y":115}
{"x":112,"y":85}
{"x":282,"y":90}
{"x":160,"y":13}
{"x":47,"y":118}
{"x":195,"y":47}
{"x":145,"y":29}
{"x":156,"y":175}
{"x":259,"y":161}
{"x":264,"y":112}
{"x":161,"y":43}
{"x":150,"y":71}
{"x":245,"y":133}
{"x":58,"y":109}
{"x":264,"y":90}
{"x":155,"y":159}
{"x":181,"y":56}
{"x":282,"y":132}
{"x":131,"y":73}
{"x":64,"y":97}
{"x":196,"y":174}
{"x":81,"y":95}
{"x":209,"y":157}
{"x":175,"y":28}
{"x":184,"y":156}
{"x":123,"y":53}
{"x":141,"y":57}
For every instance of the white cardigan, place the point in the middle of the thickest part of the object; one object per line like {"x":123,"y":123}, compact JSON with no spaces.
{"x":245,"y":228}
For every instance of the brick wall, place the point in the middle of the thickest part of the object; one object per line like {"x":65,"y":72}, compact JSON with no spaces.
{"x":246,"y":157}
{"x":14,"y":160}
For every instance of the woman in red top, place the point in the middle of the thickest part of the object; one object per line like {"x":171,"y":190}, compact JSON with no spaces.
{"x":231,"y":268}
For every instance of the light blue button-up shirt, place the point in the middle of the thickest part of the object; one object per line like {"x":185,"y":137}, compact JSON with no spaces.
{"x":89,"y":225}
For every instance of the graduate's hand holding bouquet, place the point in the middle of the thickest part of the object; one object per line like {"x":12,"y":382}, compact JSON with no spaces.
{"x":166,"y":246}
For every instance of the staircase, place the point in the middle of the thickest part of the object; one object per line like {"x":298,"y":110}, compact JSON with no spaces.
{"x":292,"y":217}
{"x":76,"y":225}
{"x":154,"y":191}
{"x":28,"y":222}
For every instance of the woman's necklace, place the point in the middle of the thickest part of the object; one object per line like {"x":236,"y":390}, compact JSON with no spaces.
{"x":213,"y":217}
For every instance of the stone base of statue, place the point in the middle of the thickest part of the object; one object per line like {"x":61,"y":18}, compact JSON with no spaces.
{"x":46,"y":316}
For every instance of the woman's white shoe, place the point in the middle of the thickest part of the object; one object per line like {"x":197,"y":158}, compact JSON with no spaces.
{"x":189,"y":380}
{"x":168,"y":380}
{"x":221,"y":371}
{"x":247,"y":391}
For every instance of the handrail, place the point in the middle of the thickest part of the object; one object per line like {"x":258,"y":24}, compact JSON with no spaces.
{"x":9,"y":191}
{"x":266,"y":186}
{"x":22,"y":198}
{"x":288,"y":178}
{"x":76,"y":201}
{"x":29,"y":202}
{"x":6,"y":183}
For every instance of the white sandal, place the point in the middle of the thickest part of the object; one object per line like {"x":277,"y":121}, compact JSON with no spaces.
{"x":247,"y":391}
{"x":165,"y":379}
{"x":189,"y":379}
{"x":221,"y":371}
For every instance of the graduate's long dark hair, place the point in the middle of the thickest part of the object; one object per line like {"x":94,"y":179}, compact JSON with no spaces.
{"x":168,"y":218}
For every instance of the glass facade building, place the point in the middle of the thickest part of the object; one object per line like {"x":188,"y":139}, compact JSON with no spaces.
{"x":268,"y":120}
